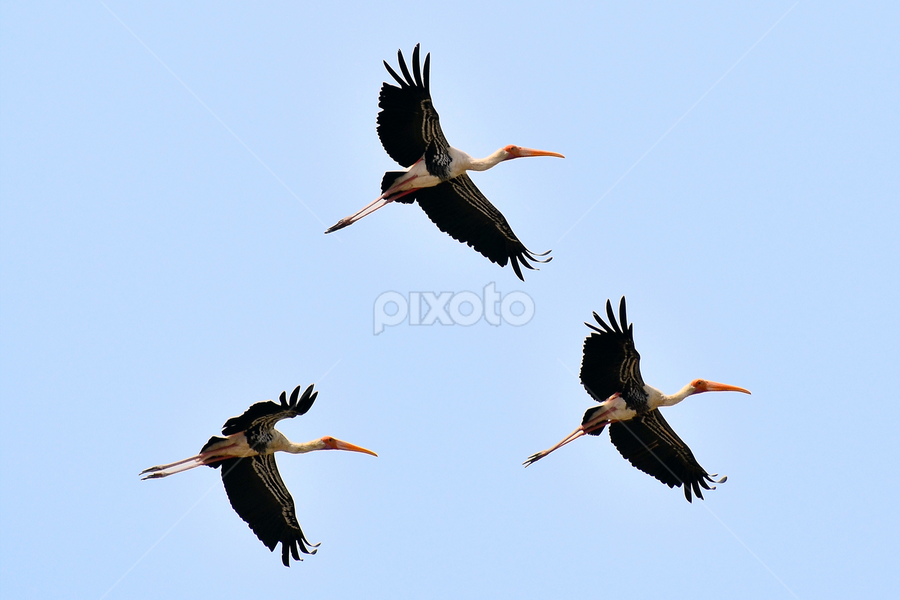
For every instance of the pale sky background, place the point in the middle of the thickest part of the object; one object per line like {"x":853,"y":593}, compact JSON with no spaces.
{"x":167,"y":175}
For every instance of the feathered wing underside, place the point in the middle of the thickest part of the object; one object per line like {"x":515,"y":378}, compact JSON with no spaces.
{"x":649,"y":443}
{"x":262,"y":416}
{"x":408,"y":122}
{"x":258,"y":494}
{"x":611,"y":363}
{"x":458,"y":208}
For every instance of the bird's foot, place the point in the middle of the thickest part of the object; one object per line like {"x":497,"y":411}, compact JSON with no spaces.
{"x":339,"y":225}
{"x":535,"y":457}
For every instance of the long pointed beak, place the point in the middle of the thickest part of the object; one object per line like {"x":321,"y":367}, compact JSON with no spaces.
{"x":342,"y":445}
{"x":712,"y":386}
{"x":520,"y":152}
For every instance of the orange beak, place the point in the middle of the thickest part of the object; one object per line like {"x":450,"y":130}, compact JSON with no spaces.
{"x":712,"y":386}
{"x":520,"y":152}
{"x":335,"y":444}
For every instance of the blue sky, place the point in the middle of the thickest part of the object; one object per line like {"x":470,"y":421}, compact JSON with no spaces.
{"x":166,"y":175}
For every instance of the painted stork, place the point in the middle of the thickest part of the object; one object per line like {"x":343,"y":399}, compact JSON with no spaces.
{"x":246,"y":457}
{"x":435,"y":175}
{"x":611,"y":374}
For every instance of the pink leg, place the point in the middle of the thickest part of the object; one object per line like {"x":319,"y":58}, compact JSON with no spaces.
{"x":569,"y":438}
{"x":197,"y":462}
{"x":384,"y":199}
{"x":200,"y":458}
{"x":368,"y":210}
{"x":597,"y":422}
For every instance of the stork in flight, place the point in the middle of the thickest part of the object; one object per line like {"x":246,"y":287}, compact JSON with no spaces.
{"x":410,"y":131}
{"x":611,"y":374}
{"x":246,"y":457}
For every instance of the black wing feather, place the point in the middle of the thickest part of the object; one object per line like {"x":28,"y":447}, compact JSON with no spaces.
{"x":264,"y":415}
{"x":403,"y":64}
{"x":408,"y":121}
{"x":459,"y":208}
{"x":394,"y":74}
{"x":611,"y":363}
{"x":649,"y":443}
{"x":259,"y":496}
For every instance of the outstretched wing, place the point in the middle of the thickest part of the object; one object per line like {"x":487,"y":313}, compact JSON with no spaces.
{"x":649,"y":443}
{"x":610,"y":363}
{"x":258,"y":494}
{"x":262,"y":416}
{"x":459,"y":208}
{"x":408,"y":122}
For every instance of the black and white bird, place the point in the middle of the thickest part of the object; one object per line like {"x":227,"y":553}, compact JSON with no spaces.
{"x":246,"y":457}
{"x":611,"y":374}
{"x":410,"y":131}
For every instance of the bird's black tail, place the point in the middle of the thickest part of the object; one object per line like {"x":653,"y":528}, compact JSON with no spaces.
{"x":209,"y":446}
{"x":388,"y":180}
{"x":588,"y":415}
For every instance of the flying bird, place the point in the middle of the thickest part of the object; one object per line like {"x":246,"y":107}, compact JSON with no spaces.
{"x":246,"y":457}
{"x":435,"y":175}
{"x":611,"y":374}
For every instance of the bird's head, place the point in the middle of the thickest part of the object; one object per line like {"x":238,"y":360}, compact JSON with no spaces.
{"x":520,"y":152}
{"x":702,"y":385}
{"x":330,"y":443}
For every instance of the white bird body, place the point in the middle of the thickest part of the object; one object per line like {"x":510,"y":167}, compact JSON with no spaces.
{"x":237,"y":446}
{"x":615,"y":408}
{"x":417,"y":176}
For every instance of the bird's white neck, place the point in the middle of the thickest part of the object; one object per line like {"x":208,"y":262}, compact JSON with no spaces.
{"x":659,"y":399}
{"x":303,"y":448}
{"x":280,"y":443}
{"x":492,"y":160}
